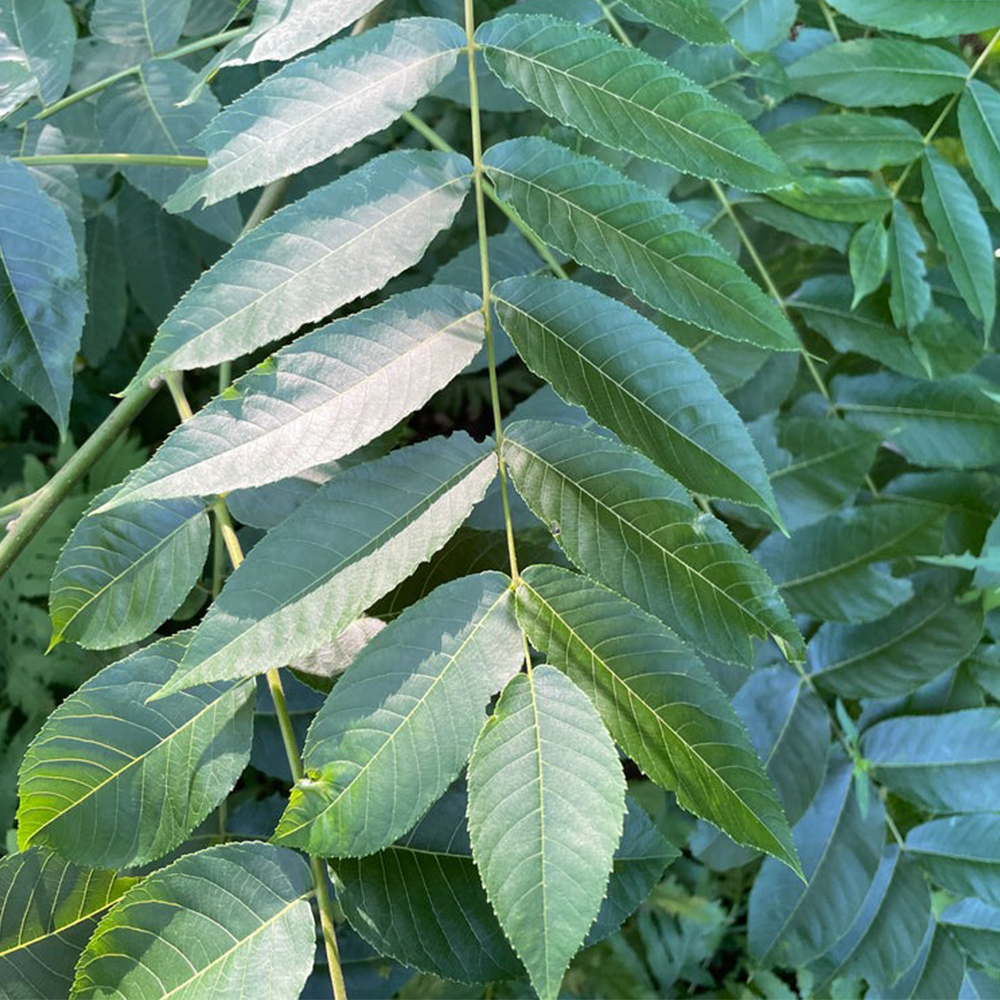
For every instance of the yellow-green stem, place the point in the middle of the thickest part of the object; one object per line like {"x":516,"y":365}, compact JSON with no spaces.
{"x":95,"y":88}
{"x":419,"y":125}
{"x":232,"y":544}
{"x":765,"y":276}
{"x":614,"y":24}
{"x":113,"y":159}
{"x":484,"y":267}
{"x":946,"y":110}
{"x":831,"y":21}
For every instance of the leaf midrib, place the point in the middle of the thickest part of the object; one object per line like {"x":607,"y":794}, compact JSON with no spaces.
{"x":228,"y":319}
{"x":646,"y":248}
{"x":325,"y":109}
{"x":628,"y":524}
{"x":114,"y":776}
{"x":940,"y":606}
{"x":673,"y":76}
{"x":616,"y":678}
{"x":335,"y":399}
{"x":870,"y":555}
{"x":147,"y":554}
{"x":706,"y":456}
{"x":425,"y":503}
{"x":417,"y":705}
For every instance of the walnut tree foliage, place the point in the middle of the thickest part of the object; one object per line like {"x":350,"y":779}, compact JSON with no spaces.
{"x":563,"y":556}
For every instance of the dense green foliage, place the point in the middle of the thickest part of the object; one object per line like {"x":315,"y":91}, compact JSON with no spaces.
{"x":564,"y":558}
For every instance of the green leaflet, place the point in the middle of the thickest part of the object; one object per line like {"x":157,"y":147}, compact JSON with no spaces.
{"x":979,"y":121}
{"x":910,"y":298}
{"x":943,"y":763}
{"x":949,"y":423}
{"x":953,"y":213}
{"x":691,"y":19}
{"x":847,"y":142}
{"x":616,"y":226}
{"x":926,"y":18}
{"x":337,"y":243}
{"x":939,"y":346}
{"x":626,"y":99}
{"x":836,"y":199}
{"x":351,"y":542}
{"x":869,"y":259}
{"x":894,"y":656}
{"x":789,"y":728}
{"x":319,"y":399}
{"x":121,"y":575}
{"x":400,"y":725}
{"x":239,"y":913}
{"x":823,"y":232}
{"x":632,"y":378}
{"x":546,"y":805}
{"x":633,"y":529}
{"x":658,"y":702}
{"x":731,"y":363}
{"x":960,"y":853}
{"x":421,"y":900}
{"x":49,"y":910}
{"x":99,"y":783}
{"x":888,"y":929}
{"x":937,"y":969}
{"x":139,"y":114}
{"x":825,"y":569}
{"x":874,"y":72}
{"x":157,"y":26}
{"x":815,"y":464}
{"x":321,"y":104}
{"x":42,"y":296}
{"x":46,"y":33}
{"x":976,"y":928}
{"x":639,"y":861}
{"x":791,"y":921}
{"x":159,"y":253}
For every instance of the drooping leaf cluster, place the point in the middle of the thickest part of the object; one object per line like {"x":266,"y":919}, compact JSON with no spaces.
{"x":612,"y":450}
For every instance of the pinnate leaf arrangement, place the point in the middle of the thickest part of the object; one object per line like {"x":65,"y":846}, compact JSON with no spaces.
{"x":574,"y":569}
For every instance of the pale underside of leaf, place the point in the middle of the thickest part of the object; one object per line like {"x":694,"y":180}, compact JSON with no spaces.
{"x":320,"y":105}
{"x":400,"y":725}
{"x":346,"y":546}
{"x":336,"y":244}
{"x":319,"y":399}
